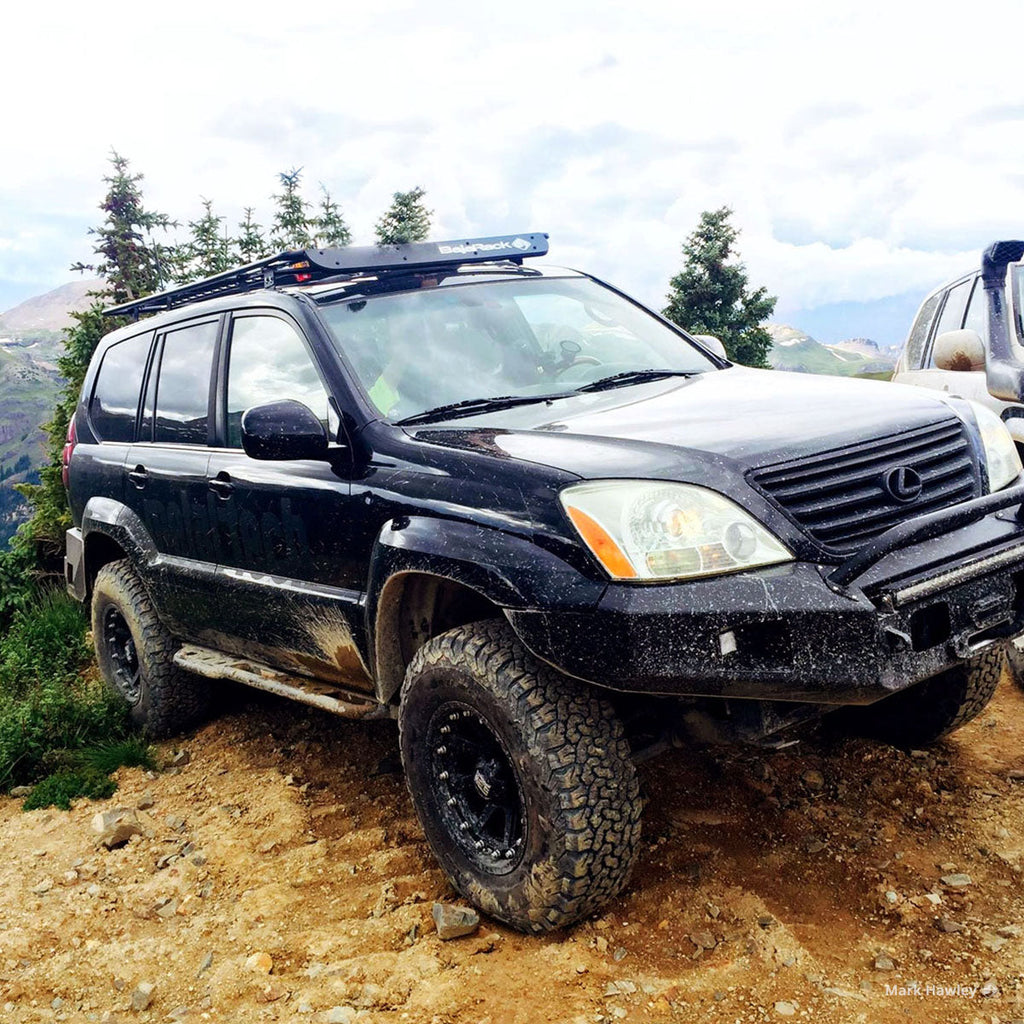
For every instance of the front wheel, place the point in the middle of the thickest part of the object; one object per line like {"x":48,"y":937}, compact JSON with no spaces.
{"x":1015,"y":661}
{"x":923,"y":714}
{"x":522,"y":779}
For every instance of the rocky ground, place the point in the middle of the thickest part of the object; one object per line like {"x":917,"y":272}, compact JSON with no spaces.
{"x":283,"y":877}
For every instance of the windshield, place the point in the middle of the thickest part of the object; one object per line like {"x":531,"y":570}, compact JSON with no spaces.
{"x":526,"y":337}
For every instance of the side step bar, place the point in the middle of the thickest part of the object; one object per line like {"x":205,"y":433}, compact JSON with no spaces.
{"x":217,"y":665}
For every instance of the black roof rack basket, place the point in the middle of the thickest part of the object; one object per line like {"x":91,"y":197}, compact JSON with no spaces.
{"x":307,"y":266}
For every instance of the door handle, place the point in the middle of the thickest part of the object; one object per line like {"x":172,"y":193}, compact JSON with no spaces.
{"x":138,"y":477}
{"x":222,"y":486}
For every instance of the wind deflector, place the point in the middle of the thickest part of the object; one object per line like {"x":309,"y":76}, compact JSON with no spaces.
{"x":315,"y":265}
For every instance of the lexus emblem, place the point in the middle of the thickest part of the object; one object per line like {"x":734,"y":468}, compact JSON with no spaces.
{"x":903,"y":483}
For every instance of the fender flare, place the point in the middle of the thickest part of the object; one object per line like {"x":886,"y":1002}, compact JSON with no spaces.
{"x":109,"y":518}
{"x":511,"y":571}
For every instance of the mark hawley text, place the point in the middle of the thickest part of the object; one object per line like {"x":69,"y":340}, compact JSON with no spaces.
{"x":922,"y":989}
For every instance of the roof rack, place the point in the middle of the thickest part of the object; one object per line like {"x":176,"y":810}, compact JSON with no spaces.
{"x":306,"y":266}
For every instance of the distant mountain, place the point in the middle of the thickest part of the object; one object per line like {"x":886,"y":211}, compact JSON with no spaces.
{"x":30,"y":343}
{"x":49,"y":312}
{"x":797,"y":351}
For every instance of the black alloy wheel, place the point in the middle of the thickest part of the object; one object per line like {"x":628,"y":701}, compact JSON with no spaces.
{"x":124,"y":658}
{"x":481,"y":797}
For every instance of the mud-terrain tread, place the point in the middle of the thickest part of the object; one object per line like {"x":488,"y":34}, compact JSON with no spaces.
{"x":933,"y":709}
{"x":171,"y":698}
{"x":579,"y":748}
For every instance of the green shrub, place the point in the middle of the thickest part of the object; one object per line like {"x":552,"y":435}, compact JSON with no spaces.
{"x":46,"y":705}
{"x":59,"y":789}
{"x":45,"y":643}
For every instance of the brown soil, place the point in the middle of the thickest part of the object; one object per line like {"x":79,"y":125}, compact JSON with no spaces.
{"x":768,"y":886}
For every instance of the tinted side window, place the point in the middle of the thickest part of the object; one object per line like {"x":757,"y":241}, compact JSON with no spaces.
{"x":268,"y":362}
{"x":115,"y":399}
{"x":183,"y":389}
{"x":914,"y":350}
{"x":952,"y":316}
{"x":977,"y":311}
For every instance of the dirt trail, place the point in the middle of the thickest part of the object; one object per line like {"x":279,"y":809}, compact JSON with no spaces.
{"x":798,"y":883}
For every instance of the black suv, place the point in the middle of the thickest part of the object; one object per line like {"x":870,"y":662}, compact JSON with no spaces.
{"x":548,"y":531}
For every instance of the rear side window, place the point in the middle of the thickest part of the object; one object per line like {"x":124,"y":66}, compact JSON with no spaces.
{"x":914,"y":351}
{"x":183,"y":388}
{"x":115,"y":398}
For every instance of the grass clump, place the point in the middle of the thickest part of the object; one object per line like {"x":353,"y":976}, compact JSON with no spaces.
{"x":59,"y":723}
{"x":59,"y":789}
{"x":131,"y":752}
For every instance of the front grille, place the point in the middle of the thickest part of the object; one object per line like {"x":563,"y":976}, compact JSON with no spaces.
{"x":838,"y":497}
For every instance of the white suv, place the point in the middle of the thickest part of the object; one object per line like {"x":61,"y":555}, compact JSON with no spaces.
{"x":968,"y":340}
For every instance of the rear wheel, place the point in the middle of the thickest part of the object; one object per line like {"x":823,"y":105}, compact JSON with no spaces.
{"x":521,"y":778}
{"x":136,"y":655}
{"x":930,"y":710}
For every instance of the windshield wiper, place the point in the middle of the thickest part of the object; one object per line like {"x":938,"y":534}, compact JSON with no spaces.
{"x":627,"y":377}
{"x":469,"y":406}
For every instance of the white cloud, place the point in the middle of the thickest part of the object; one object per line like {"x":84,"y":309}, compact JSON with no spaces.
{"x":866,"y":152}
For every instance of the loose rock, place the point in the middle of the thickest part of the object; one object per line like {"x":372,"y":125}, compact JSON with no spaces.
{"x":884,"y":963}
{"x":785,"y":1009}
{"x":261,"y":962}
{"x":143,"y":996}
{"x":957,"y":881}
{"x":341,"y":1015}
{"x":115,"y":827}
{"x":452,"y":921}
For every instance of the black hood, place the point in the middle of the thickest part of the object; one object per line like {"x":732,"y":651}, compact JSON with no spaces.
{"x":739,"y":417}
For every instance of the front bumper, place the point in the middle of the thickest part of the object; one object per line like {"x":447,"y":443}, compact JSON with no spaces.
{"x":805,"y":632}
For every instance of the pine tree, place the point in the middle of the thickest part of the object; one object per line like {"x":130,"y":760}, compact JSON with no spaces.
{"x":406,"y":220}
{"x":710,"y":294}
{"x":130,"y":260}
{"x":250,"y":245}
{"x":207,"y":250}
{"x":291,"y":228}
{"x":132,"y":265}
{"x":331,"y":229}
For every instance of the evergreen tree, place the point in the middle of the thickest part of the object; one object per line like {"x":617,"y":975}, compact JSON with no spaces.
{"x":406,"y":220}
{"x":130,"y":261}
{"x":331,"y":229}
{"x":250,"y":245}
{"x":208,"y":249}
{"x":132,"y":265}
{"x":291,"y":228}
{"x":710,"y":294}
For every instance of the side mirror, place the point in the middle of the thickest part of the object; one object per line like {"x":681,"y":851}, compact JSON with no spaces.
{"x":959,"y":350}
{"x":283,"y":430}
{"x":709,"y":341}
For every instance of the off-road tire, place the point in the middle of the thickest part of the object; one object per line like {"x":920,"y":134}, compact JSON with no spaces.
{"x":564,"y":745}
{"x":920,"y":716}
{"x":162,"y":698}
{"x":1015,"y":663}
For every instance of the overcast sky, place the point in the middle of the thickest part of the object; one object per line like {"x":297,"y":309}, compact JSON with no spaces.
{"x":869,"y":152}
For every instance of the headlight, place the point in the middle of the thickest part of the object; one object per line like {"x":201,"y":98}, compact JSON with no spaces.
{"x":1000,"y":451}
{"x":645,"y":530}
